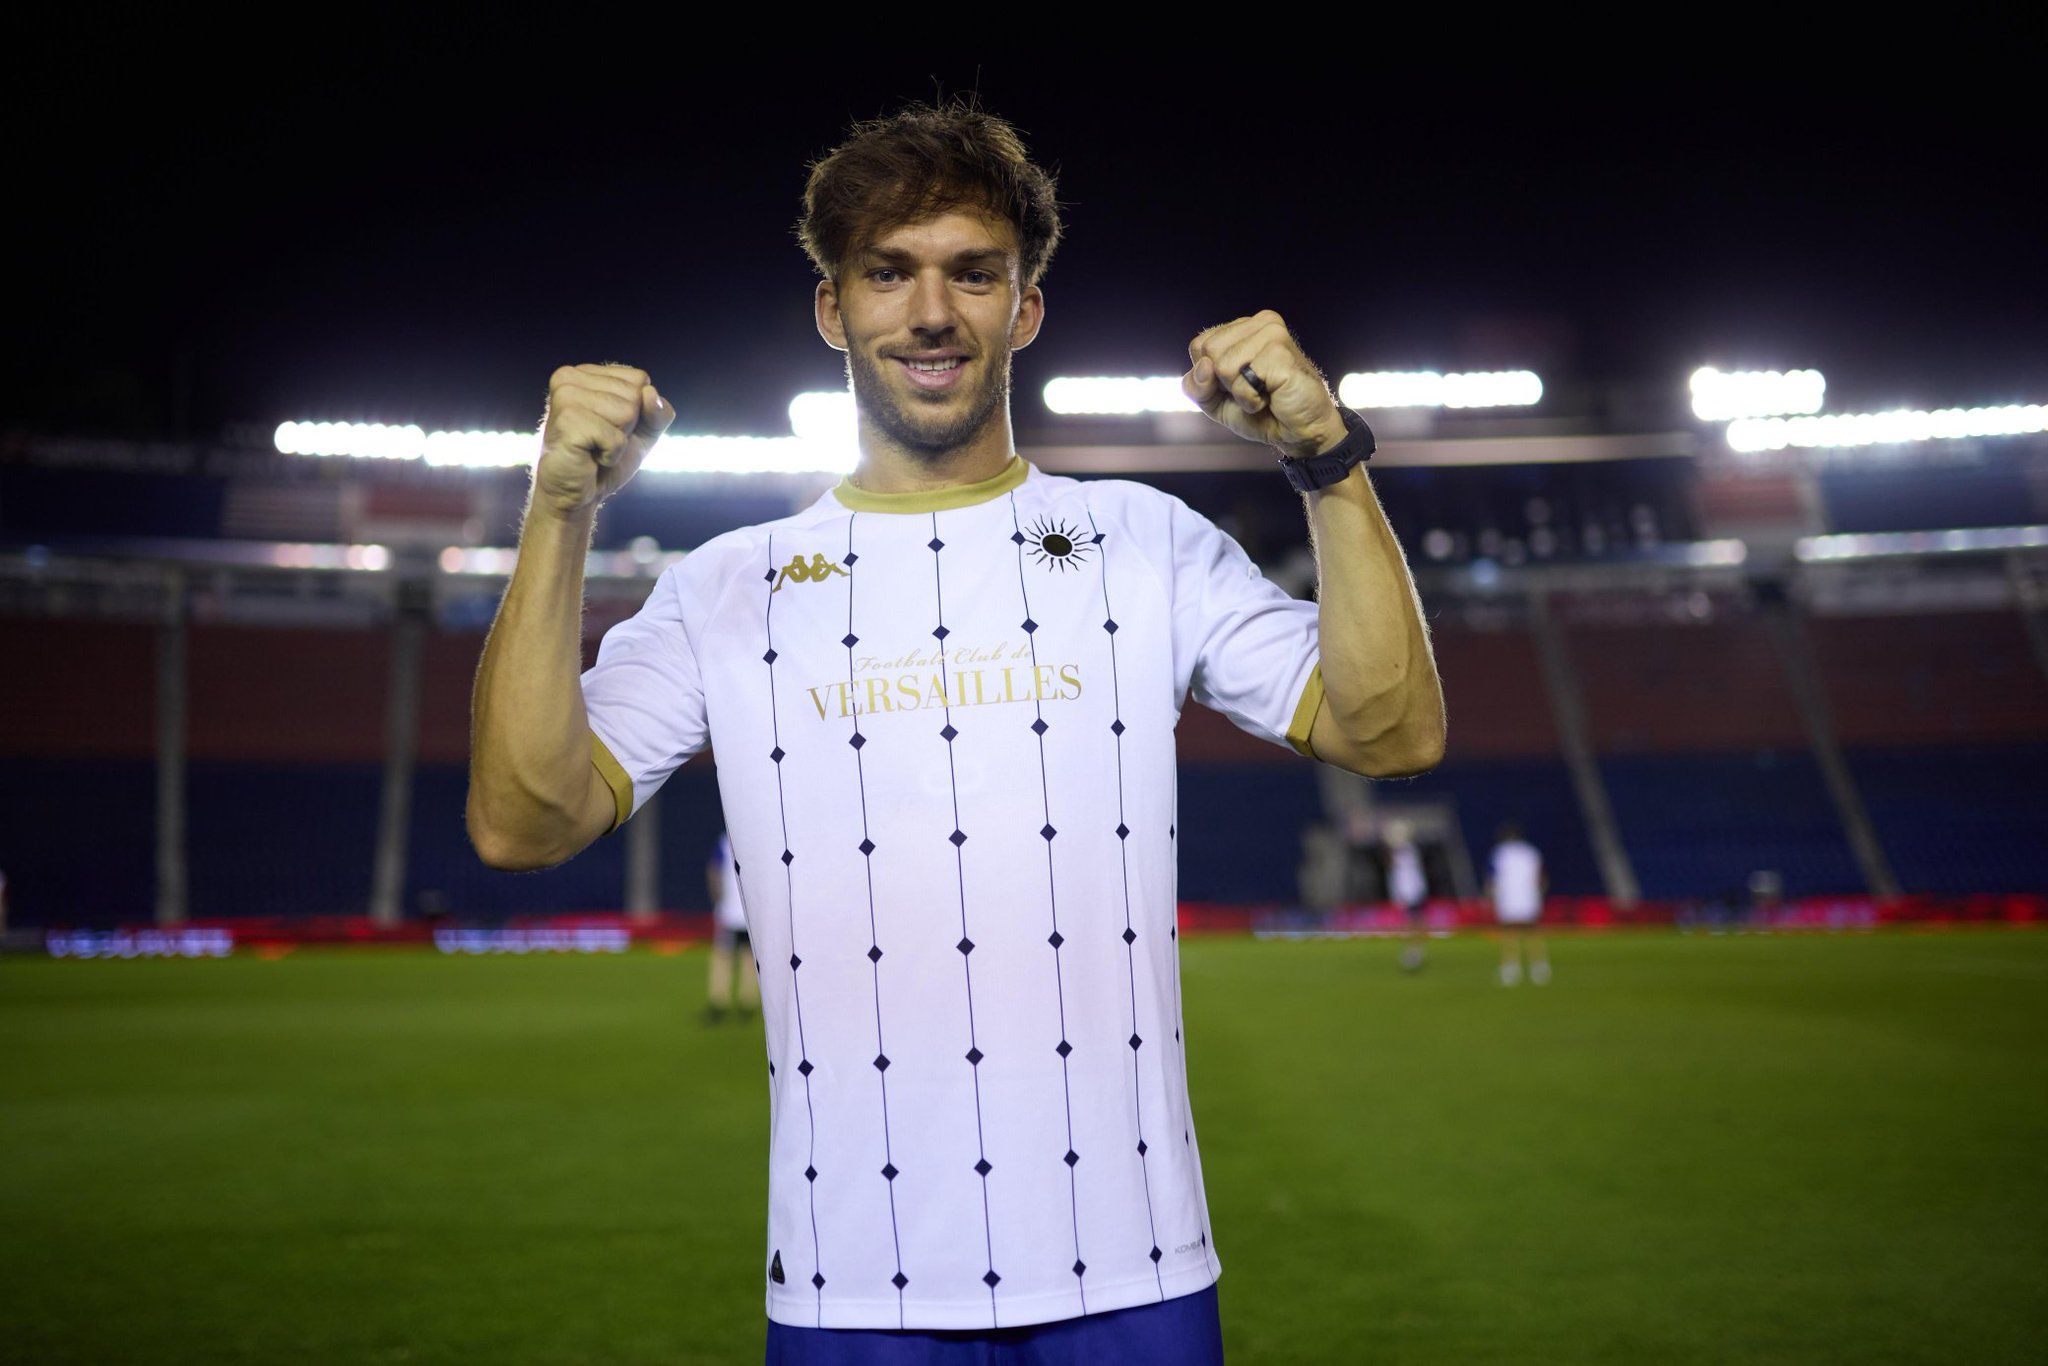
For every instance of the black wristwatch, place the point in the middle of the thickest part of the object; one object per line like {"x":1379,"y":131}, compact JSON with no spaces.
{"x":1320,"y":471}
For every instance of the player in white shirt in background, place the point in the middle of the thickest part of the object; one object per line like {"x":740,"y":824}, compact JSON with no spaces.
{"x":943,"y":701}
{"x":1408,"y":887}
{"x":732,"y":953}
{"x":1517,"y":885}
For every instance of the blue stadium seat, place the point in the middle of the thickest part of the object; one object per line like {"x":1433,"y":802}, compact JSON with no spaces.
{"x":1697,"y":825}
{"x":1960,"y":819}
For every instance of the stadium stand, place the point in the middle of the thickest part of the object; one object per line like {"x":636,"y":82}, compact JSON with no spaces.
{"x":1697,"y":825}
{"x":1962,"y":678}
{"x":1697,"y":737}
{"x":1662,"y":687}
{"x":1960,"y":818}
{"x":1935,"y":692}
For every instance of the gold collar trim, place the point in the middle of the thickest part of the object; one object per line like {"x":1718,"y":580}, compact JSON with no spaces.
{"x":935,"y":500}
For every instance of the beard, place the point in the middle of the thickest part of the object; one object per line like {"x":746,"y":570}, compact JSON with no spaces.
{"x":921,"y":426}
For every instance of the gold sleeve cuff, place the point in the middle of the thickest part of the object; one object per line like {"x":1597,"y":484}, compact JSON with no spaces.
{"x":1305,"y":713}
{"x":614,"y":775}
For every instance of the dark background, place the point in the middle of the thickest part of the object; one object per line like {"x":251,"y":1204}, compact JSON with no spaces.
{"x":420,"y":225}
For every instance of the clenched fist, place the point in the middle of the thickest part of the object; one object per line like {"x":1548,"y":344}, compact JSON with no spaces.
{"x":601,"y":422}
{"x":1295,"y":414}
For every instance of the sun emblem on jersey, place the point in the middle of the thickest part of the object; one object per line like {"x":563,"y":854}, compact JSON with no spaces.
{"x":1055,"y":543}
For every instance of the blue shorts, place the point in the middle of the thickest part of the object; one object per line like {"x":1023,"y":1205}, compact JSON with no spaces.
{"x":1184,"y":1331}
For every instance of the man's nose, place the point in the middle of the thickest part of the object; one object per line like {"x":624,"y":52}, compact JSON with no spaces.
{"x":931,"y":305}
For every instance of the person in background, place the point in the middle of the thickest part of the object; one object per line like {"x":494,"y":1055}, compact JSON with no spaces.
{"x":1408,"y":886}
{"x":729,"y":940}
{"x":1766,"y":898}
{"x":1517,"y":884}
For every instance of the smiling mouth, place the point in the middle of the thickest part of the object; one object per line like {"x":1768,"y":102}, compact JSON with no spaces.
{"x":932,"y":375}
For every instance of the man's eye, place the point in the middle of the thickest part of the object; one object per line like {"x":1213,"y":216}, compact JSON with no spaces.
{"x":980,"y":277}
{"x":877,"y":274}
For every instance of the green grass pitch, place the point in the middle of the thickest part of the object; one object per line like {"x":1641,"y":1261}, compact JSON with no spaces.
{"x":1703,"y":1149}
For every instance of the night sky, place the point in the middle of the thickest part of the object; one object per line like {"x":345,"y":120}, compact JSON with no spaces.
{"x":343,"y":233}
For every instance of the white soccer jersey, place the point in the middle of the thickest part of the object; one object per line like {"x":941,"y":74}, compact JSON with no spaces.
{"x":945,"y":735}
{"x":1517,"y":882}
{"x":1405,"y":879}
{"x":730,"y":913}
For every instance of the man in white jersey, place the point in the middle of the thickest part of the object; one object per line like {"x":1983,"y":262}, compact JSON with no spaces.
{"x":1517,"y":884}
{"x":1408,"y":888}
{"x":943,"y":700}
{"x":733,"y":985}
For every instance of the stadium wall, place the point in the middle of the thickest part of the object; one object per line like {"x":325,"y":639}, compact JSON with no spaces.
{"x":1942,"y":719}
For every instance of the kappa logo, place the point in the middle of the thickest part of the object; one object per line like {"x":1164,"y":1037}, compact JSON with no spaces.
{"x":775,"y":1268}
{"x":814,"y":570}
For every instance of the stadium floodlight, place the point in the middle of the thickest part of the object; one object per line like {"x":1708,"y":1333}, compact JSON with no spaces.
{"x":482,"y":450}
{"x":748,"y":455}
{"x":363,"y":440}
{"x":826,"y":422}
{"x":1122,"y":396}
{"x":824,"y":415}
{"x":1720,"y":396}
{"x":825,"y":442}
{"x":379,"y":441}
{"x":1429,"y":389}
{"x":1899,"y":427}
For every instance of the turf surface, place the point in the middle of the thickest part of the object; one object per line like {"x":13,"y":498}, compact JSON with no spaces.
{"x":1737,"y":1149}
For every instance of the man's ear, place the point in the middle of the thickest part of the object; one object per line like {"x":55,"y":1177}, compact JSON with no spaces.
{"x":1030,"y":315}
{"x":830,"y":325}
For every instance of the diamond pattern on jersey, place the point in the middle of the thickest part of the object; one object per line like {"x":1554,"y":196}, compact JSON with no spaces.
{"x":1098,"y":625}
{"x":804,"y":1068}
{"x":1052,"y":902}
{"x":958,"y":840}
{"x":874,"y":954}
{"x":1117,"y":728}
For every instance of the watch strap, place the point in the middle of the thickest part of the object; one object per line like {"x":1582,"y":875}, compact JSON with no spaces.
{"x":1307,"y":473}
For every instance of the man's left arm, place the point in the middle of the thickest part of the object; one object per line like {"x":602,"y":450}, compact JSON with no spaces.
{"x":1382,"y":712}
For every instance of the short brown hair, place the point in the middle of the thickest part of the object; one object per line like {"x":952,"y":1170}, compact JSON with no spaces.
{"x":922,"y":161}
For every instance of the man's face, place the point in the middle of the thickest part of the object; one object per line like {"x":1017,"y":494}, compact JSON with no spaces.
{"x":928,"y":315}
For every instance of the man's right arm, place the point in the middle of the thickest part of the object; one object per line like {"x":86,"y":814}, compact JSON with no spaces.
{"x":535,"y":797}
